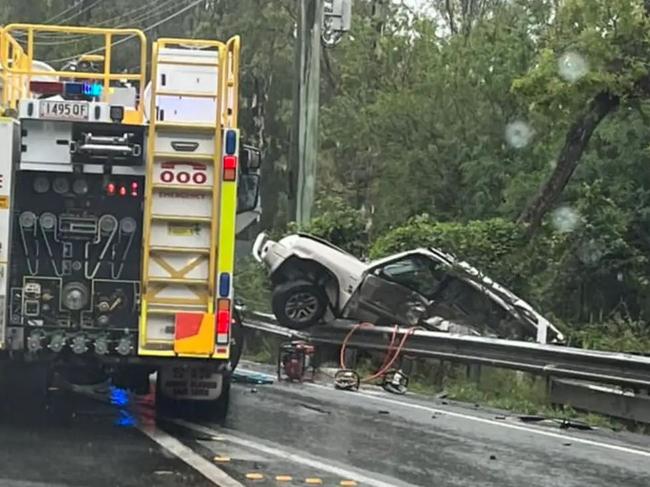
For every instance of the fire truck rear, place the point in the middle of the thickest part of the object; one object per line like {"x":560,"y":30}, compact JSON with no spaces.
{"x":118,"y":215}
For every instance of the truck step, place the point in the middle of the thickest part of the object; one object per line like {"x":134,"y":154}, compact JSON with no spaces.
{"x":161,"y":249}
{"x":178,"y":280}
{"x":182,"y":218}
{"x":184,"y":156}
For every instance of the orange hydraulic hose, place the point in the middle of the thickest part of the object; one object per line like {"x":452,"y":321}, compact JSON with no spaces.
{"x":396,"y":355}
{"x":389,"y":360}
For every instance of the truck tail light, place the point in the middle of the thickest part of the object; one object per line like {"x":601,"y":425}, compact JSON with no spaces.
{"x":224,"y":319}
{"x":46,"y":87}
{"x":110,"y":189}
{"x":229,"y":168}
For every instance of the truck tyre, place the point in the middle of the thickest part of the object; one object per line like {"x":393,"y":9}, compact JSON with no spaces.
{"x":298,"y":304}
{"x":237,"y":336}
{"x":214,"y":410}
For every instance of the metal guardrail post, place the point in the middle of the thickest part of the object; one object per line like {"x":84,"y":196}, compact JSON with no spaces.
{"x":610,"y":402}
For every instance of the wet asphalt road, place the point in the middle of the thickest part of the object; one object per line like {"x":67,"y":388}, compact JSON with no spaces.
{"x":81,"y":442}
{"x":310,"y":432}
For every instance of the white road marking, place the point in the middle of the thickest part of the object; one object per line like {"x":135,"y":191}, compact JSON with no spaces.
{"x":194,"y":460}
{"x":527,"y":429}
{"x":275,"y":450}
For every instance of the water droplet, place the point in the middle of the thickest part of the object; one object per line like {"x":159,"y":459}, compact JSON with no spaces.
{"x":565,"y":219}
{"x":590,"y":252}
{"x":572,"y":66}
{"x":518,"y":134}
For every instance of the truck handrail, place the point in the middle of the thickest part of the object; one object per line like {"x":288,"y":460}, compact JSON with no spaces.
{"x":13,"y":88}
{"x":17,"y":62}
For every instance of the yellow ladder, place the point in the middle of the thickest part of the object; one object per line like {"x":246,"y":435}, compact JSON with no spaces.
{"x":182,"y":203}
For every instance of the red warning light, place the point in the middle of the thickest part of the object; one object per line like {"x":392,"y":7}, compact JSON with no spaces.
{"x":122,"y":191}
{"x":134,"y":188}
{"x":110,"y":189}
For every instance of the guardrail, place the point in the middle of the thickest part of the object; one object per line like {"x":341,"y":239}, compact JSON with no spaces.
{"x":620,"y":369}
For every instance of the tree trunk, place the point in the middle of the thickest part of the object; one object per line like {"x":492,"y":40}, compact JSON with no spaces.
{"x":575,"y":144}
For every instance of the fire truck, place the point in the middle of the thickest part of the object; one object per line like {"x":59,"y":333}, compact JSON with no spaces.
{"x":121,"y":194}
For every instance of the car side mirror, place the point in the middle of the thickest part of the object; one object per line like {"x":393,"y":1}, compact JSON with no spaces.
{"x":250,"y":157}
{"x":248,"y":192}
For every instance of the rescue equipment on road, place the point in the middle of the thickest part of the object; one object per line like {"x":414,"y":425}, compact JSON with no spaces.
{"x":294,"y":359}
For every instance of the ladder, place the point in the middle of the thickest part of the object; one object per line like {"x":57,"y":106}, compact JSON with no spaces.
{"x":188,"y":241}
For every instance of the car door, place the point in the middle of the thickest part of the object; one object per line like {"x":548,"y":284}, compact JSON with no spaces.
{"x":396,"y":291}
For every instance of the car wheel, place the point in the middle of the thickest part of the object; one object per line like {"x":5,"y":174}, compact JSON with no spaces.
{"x":299,"y":304}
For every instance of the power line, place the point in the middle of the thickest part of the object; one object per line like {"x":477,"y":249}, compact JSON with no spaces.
{"x":157,"y":9}
{"x":65,"y":11}
{"x":85,"y":9}
{"x":63,"y":21}
{"x":56,"y":17}
{"x":147,"y":29}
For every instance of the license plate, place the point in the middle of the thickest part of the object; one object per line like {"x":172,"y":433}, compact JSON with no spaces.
{"x":64,"y":110}
{"x":190,"y":383}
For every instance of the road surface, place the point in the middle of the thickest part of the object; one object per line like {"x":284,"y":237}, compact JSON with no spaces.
{"x":309,"y":434}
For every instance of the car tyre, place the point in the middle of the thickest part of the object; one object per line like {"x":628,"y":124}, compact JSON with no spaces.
{"x":298,"y":304}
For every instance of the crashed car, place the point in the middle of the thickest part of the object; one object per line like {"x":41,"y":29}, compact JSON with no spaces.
{"x":315,"y":281}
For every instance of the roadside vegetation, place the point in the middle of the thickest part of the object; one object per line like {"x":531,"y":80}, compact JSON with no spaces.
{"x":499,"y":248}
{"x":513,"y":133}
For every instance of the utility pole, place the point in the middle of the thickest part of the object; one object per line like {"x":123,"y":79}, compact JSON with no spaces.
{"x":305,"y":110}
{"x":318,"y":21}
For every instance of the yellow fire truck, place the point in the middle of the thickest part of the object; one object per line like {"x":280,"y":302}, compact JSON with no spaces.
{"x":120,"y":198}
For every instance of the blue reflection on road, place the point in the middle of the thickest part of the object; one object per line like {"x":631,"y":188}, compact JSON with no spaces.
{"x":120,"y":398}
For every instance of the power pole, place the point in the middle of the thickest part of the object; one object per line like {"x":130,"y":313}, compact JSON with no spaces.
{"x":319,"y":21}
{"x":304,"y":143}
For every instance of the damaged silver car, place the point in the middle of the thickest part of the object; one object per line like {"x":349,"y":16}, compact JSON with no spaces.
{"x":315,"y":281}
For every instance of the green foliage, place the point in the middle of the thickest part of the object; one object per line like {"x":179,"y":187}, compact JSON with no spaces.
{"x":617,"y":335}
{"x":509,"y":390}
{"x":252,"y":284}
{"x":489,"y":245}
{"x":589,"y":274}
{"x":339,"y":223}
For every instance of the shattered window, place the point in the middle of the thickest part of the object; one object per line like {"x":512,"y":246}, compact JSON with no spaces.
{"x":415,"y":272}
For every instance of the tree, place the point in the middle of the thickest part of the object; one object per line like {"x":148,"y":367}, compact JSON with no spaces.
{"x":592,"y":59}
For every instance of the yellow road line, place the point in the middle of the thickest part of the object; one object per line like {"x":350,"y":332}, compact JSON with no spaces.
{"x":254,"y":476}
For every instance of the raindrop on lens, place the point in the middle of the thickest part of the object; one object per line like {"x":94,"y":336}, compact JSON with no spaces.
{"x":590,"y":253}
{"x":572,"y":66}
{"x":518,"y":134}
{"x":565,"y":219}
